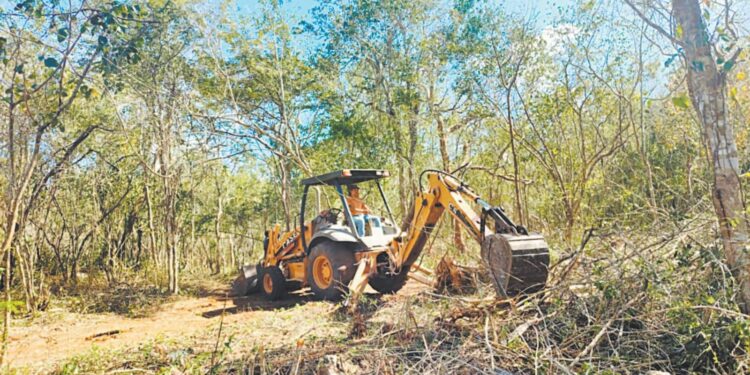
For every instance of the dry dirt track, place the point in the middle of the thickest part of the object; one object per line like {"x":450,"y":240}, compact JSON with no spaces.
{"x":56,"y":336}
{"x":43,"y":344}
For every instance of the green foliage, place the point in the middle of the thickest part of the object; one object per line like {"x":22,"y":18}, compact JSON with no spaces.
{"x":369,"y":96}
{"x":167,"y":129}
{"x":13,"y":306}
{"x":681,"y":101}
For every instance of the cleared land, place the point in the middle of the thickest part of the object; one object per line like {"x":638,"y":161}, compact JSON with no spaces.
{"x":61,"y":341}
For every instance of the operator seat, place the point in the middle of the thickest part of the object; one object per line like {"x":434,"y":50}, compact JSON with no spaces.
{"x":324,"y":219}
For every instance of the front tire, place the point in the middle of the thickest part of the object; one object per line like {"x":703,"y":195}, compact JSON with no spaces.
{"x":273,"y":283}
{"x":330,"y":268}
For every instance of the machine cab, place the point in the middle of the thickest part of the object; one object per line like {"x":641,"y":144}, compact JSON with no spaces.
{"x":354,"y":221}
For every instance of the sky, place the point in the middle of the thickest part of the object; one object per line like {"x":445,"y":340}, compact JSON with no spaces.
{"x":542,"y":13}
{"x":545,"y":10}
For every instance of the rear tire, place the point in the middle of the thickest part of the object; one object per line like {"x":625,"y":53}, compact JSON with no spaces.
{"x":273,"y":283}
{"x":330,"y":268}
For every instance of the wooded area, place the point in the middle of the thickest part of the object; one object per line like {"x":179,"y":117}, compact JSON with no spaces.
{"x":149,"y":144}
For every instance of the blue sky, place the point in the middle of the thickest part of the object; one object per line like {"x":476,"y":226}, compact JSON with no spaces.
{"x":543,"y":13}
{"x":544,"y":9}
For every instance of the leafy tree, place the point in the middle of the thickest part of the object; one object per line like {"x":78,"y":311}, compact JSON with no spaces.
{"x":706,"y":63}
{"x":51,"y":52}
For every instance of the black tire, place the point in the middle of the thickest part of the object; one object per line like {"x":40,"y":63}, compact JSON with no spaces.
{"x":388,"y":284}
{"x":340,"y":259}
{"x":273,"y":283}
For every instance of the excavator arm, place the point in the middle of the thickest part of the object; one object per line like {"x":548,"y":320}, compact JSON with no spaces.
{"x":443,"y":192}
{"x":516,"y":260}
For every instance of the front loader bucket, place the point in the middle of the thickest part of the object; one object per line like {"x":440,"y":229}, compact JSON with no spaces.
{"x":518,"y":264}
{"x":247,"y":282}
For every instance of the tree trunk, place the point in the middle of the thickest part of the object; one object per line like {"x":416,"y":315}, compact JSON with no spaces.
{"x":139,"y":244}
{"x":458,"y":239}
{"x":217,"y":229}
{"x":286,"y":186}
{"x":643,"y":143}
{"x":8,"y":299}
{"x":707,"y":88}
{"x":153,"y":247}
{"x":171,"y":181}
{"x":402,"y":196}
{"x":171,"y":232}
{"x":192,"y":216}
{"x":27,"y":278}
{"x":570,"y":223}
{"x":14,"y":196}
{"x":413,"y":143}
{"x":514,"y":154}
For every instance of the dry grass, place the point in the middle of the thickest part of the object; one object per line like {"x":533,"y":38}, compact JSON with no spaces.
{"x":620,"y":304}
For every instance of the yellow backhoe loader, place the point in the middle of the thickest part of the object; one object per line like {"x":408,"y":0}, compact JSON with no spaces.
{"x":334,"y":253}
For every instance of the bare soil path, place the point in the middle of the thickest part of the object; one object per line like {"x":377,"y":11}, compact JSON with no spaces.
{"x":42,"y":345}
{"x":59,"y":335}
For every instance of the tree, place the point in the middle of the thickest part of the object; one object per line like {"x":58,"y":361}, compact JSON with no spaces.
{"x":706,"y":66}
{"x":50,"y":52}
{"x":161,"y":82}
{"x":380,"y":50}
{"x":560,"y":116}
{"x":267,"y":99}
{"x":503,"y":56}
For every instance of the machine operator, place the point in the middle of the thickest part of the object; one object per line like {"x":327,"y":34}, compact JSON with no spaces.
{"x":360,"y":212}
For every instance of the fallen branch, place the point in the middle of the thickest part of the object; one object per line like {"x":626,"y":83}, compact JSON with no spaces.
{"x":102,"y":334}
{"x":602,"y":331}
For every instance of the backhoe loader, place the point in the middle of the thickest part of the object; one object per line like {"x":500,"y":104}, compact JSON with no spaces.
{"x":334,"y":257}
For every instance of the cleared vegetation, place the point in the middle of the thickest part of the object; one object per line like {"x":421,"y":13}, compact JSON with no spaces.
{"x":147,"y":146}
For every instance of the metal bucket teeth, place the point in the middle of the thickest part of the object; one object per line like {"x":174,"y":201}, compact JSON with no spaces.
{"x":518,"y":264}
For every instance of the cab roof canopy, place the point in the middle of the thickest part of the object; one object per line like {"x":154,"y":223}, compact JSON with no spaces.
{"x":346,"y":177}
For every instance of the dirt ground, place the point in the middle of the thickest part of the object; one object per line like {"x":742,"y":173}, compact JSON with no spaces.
{"x":59,"y":335}
{"x":39,"y":345}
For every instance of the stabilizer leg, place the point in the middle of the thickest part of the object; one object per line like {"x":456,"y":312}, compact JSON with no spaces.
{"x":359,"y":282}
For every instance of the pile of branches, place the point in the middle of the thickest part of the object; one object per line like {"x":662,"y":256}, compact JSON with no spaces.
{"x":618,"y":303}
{"x":623,"y":303}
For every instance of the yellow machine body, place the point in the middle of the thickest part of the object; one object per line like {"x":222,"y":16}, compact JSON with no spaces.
{"x":516,"y":260}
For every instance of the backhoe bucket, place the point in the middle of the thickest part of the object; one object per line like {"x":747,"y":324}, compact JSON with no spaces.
{"x":518,"y":264}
